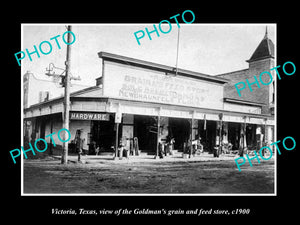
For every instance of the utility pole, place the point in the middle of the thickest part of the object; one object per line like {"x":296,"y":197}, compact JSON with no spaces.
{"x":177,"y":52}
{"x":64,"y":156}
{"x":66,"y":84}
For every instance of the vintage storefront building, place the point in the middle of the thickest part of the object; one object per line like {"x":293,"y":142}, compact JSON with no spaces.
{"x":153,"y":102}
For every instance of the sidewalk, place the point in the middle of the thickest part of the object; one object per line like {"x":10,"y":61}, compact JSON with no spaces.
{"x":88,"y":159}
{"x":108,"y":158}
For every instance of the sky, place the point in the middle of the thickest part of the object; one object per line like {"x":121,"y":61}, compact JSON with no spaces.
{"x":205,"y":48}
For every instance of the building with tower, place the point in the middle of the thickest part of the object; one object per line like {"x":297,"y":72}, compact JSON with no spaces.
{"x":261,"y":60}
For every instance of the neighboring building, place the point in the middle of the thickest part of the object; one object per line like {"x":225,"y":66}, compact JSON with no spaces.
{"x":261,"y":60}
{"x":144,"y":97}
{"x":38,"y":90}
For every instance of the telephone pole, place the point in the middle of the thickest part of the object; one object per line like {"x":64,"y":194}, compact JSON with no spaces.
{"x":177,"y":52}
{"x":66,"y":84}
{"x":64,"y":156}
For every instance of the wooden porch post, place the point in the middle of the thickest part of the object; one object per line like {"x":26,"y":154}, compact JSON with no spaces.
{"x":116,"y":140}
{"x":118,"y":120}
{"x":158,"y":134}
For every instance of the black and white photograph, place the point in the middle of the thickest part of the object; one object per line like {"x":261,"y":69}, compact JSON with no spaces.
{"x":143,"y":113}
{"x":175,"y":114}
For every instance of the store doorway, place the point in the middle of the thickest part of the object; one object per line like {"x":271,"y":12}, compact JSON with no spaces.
{"x":145,"y":129}
{"x":180,"y":130}
{"x":251,"y":136}
{"x":208,"y":133}
{"x":103,"y":134}
{"x":234,"y":134}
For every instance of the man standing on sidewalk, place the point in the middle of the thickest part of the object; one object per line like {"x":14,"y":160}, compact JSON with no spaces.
{"x":79,"y":145}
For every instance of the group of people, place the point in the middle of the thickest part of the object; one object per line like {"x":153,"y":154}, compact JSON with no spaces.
{"x":128,"y":146}
{"x":166,"y":148}
{"x":190,"y":147}
{"x":193,"y":147}
{"x":131,"y":147}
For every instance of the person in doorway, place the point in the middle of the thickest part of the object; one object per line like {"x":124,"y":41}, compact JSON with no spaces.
{"x":160,"y":150}
{"x":92,"y":149}
{"x":97,"y":150}
{"x":191,"y":148}
{"x":171,"y":145}
{"x":187,"y":145}
{"x":194,"y":147}
{"x":199,"y":145}
{"x":126,"y":146}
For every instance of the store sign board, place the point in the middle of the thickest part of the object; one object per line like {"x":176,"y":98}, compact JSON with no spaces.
{"x":131,"y":83}
{"x":88,"y":116}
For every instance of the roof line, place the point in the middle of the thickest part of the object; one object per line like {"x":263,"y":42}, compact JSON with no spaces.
{"x":269,"y":48}
{"x":58,"y":99}
{"x":266,"y":33}
{"x":238,"y":101}
{"x":222,"y":74}
{"x":160,"y":67}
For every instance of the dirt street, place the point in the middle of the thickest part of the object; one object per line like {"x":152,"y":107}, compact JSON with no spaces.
{"x":147,"y":176}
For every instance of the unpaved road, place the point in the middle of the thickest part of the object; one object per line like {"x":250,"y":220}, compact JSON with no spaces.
{"x":50,"y":177}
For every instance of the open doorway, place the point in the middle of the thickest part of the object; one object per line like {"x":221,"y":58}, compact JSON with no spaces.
{"x":251,"y":136}
{"x":208,"y":133}
{"x":179,"y":129}
{"x":103,"y":134}
{"x":145,"y":129}
{"x":234,"y":133}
